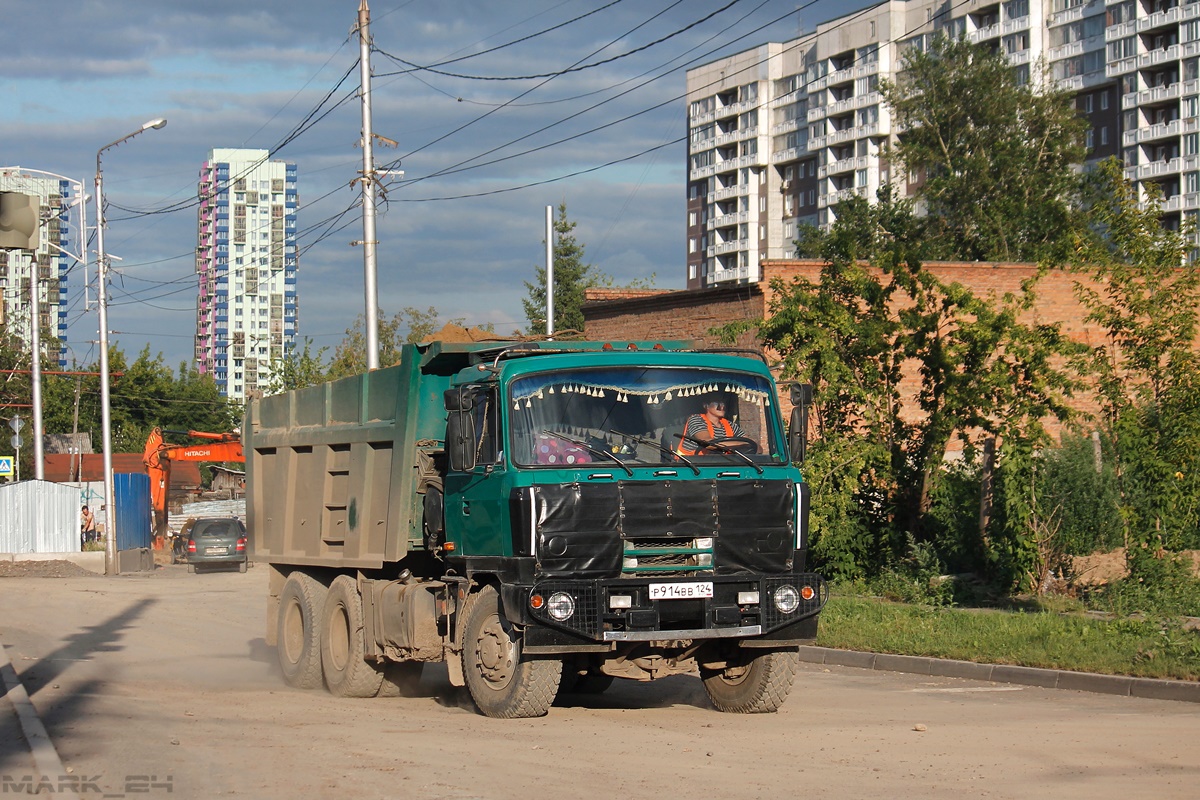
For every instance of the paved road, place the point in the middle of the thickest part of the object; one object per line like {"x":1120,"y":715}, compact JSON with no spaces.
{"x":161,"y":686}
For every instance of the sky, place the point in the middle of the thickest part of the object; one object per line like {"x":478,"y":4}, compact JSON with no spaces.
{"x":483,"y":144}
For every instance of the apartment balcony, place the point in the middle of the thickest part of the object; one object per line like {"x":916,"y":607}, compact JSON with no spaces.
{"x":833,"y":198}
{"x":1085,"y":81}
{"x":728,"y":220}
{"x":787,"y":126}
{"x":728,"y":275}
{"x":790,"y":154}
{"x":1020,"y":57}
{"x":1156,"y":57}
{"x":1162,"y":130}
{"x":983,"y":34}
{"x":1015,"y":25}
{"x":842,"y":106}
{"x":1063,"y":17}
{"x":728,"y":247}
{"x":1159,"y":94}
{"x":1115,"y":69}
{"x":844,"y":75}
{"x":848,"y":135}
{"x":1172,"y":16}
{"x":702,"y":145}
{"x":844,"y":165}
{"x":702,"y":119}
{"x":741,"y":190}
{"x":1155,"y":169}
{"x":702,"y":173}
{"x":1114,"y":32}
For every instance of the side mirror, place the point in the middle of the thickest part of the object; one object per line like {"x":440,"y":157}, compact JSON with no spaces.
{"x":459,"y":399}
{"x":460,"y":441}
{"x":801,"y":396}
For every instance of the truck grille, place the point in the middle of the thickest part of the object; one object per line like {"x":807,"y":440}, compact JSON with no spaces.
{"x":667,"y":557}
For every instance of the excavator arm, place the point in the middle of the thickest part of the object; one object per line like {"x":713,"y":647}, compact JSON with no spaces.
{"x":158,"y":456}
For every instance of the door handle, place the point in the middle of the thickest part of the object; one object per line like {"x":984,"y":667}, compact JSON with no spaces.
{"x":466,"y":508}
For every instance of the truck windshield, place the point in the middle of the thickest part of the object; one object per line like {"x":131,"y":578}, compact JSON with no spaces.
{"x":651,"y":415}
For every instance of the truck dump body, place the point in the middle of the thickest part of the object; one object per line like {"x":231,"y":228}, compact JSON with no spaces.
{"x":564,"y":500}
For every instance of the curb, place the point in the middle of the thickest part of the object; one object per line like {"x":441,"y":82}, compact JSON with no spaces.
{"x":1124,"y":685}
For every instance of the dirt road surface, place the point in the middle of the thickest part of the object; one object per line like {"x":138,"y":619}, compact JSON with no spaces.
{"x":160,"y":686}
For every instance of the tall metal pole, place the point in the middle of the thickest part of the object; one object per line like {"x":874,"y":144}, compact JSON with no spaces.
{"x":110,"y":495}
{"x":370,"y":283}
{"x":35,"y":321}
{"x":549,"y":270}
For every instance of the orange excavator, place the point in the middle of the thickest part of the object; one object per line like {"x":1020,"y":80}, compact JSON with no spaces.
{"x":158,"y":456}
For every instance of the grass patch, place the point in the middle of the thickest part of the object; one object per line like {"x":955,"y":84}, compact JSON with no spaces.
{"x":1143,"y":648}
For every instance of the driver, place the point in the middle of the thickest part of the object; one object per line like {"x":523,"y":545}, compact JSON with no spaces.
{"x":708,"y":426}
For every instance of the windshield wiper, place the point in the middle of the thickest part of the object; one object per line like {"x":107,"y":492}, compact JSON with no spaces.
{"x":724,"y":450}
{"x":596,"y":451}
{"x":664,"y":450}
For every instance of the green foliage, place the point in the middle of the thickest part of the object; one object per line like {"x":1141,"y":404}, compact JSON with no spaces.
{"x":975,"y":366}
{"x":297,"y":369}
{"x":409,"y":325}
{"x":144,"y":394}
{"x":1147,"y":370}
{"x":1162,"y":586}
{"x":1086,"y":498}
{"x":572,"y":278}
{"x":997,"y":156}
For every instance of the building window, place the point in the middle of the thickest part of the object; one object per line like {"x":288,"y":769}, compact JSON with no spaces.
{"x":1088,"y":139}
{"x":1104,"y":100}
{"x":1103,"y":134}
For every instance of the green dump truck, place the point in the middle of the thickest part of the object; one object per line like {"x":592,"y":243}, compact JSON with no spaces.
{"x":537,"y":517}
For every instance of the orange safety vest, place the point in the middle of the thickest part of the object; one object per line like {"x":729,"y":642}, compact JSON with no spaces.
{"x":711,"y":434}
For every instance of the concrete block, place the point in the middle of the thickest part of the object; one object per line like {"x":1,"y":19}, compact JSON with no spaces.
{"x":812,"y":654}
{"x":850,"y":658}
{"x":947,"y":668}
{"x":139,"y":559}
{"x":1152,"y":689}
{"x":917,"y":665}
{"x":1091,"y":682}
{"x":1026,"y":676}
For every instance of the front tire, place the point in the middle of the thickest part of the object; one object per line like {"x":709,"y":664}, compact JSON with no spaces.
{"x":502,"y":682}
{"x":298,"y":631}
{"x":343,"y":660}
{"x":751,"y":683}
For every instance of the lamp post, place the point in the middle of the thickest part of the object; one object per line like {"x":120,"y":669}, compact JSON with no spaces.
{"x":110,"y":506}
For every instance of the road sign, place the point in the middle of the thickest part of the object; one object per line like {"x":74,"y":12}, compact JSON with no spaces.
{"x":16,"y":423}
{"x":6,"y":466}
{"x":16,"y":441}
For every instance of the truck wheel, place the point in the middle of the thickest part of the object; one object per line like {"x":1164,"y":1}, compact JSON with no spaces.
{"x":298,"y":631}
{"x":502,"y":683}
{"x":347,"y":673}
{"x":401,"y":679}
{"x":752,"y":684}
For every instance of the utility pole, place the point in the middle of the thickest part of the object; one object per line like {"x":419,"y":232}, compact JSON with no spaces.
{"x":370,"y":271}
{"x":549,"y":271}
{"x":35,"y":324}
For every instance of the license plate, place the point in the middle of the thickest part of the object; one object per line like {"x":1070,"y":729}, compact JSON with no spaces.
{"x":680,"y":591}
{"x":216,"y":551}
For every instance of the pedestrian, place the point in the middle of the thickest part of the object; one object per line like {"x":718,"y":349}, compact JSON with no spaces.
{"x":87,"y":527}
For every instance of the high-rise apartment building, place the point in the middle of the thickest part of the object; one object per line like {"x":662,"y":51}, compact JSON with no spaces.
{"x":780,"y":134}
{"x":246,"y":312}
{"x":50,"y":262}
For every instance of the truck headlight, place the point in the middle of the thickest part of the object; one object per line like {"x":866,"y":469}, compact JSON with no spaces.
{"x":561,"y":606}
{"x":786,"y":598}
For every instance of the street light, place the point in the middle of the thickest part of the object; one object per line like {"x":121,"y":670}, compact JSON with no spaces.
{"x":110,"y":539}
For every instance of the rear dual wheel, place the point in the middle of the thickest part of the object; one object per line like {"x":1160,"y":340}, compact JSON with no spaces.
{"x":298,"y":631}
{"x":343,"y":658}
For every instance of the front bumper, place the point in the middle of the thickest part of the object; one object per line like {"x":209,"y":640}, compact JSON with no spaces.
{"x":721,"y":616}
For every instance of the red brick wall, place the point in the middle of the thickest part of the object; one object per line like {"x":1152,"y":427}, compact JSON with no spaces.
{"x":691,"y":314}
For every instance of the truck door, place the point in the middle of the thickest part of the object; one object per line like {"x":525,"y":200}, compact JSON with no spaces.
{"x":476,"y":499}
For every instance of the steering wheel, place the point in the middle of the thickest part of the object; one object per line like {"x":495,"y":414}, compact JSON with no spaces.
{"x":738,"y":444}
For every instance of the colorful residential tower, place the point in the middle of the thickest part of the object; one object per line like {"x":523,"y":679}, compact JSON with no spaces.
{"x":246,"y":311}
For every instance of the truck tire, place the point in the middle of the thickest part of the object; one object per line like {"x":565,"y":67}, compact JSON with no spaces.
{"x":401,"y":679}
{"x":503,"y":683}
{"x":298,"y":631}
{"x":343,"y":659}
{"x":758,"y":684}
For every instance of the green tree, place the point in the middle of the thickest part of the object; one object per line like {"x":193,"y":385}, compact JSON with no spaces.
{"x":996,"y":156}
{"x":297,"y":369}
{"x":877,"y":315}
{"x":1147,"y":370}
{"x":572,"y":278}
{"x":408,"y":326}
